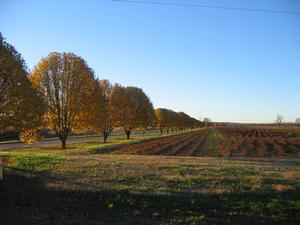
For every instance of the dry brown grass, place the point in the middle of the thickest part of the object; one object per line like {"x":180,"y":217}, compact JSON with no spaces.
{"x":282,"y":187}
{"x":167,"y":174}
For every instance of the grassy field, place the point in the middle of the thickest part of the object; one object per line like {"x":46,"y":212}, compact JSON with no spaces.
{"x":88,"y":185}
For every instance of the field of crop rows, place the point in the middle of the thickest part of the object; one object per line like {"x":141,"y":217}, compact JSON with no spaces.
{"x":260,"y":142}
{"x":235,"y":142}
{"x":187,"y":144}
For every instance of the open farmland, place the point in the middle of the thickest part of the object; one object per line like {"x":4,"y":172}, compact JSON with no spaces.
{"x":255,"y":142}
{"x":187,"y":144}
{"x":149,"y":180}
{"x":224,"y":142}
{"x":150,"y":112}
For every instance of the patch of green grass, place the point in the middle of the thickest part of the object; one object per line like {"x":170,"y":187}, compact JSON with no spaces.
{"x":31,"y":160}
{"x":232,"y":170}
{"x":281,"y":209}
{"x":179,"y":170}
{"x":211,"y":145}
{"x":196,"y":219}
{"x":9,"y":142}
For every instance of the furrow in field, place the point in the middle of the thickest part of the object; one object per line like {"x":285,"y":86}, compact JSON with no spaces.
{"x":193,"y":146}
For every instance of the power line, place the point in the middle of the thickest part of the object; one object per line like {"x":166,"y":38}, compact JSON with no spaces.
{"x":208,"y":6}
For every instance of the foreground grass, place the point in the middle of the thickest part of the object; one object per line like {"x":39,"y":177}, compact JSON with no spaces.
{"x":119,"y":189}
{"x":31,"y":161}
{"x":86,"y":185}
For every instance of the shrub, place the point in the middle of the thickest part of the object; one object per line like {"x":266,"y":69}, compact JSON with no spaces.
{"x":29,"y":136}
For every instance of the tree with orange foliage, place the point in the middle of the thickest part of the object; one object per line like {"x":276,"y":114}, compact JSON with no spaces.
{"x":160,"y":119}
{"x":20,"y":105}
{"x":132,"y":108}
{"x":105,"y":119}
{"x":174,"y":121}
{"x":67,"y":86}
{"x":145,"y":113}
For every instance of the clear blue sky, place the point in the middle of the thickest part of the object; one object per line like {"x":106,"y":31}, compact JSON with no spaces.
{"x":226,"y":65}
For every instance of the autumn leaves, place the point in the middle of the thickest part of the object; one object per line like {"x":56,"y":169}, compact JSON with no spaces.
{"x":20,"y":104}
{"x":174,"y":121}
{"x":63,"y":94}
{"x":75,"y":100}
{"x":67,"y":87}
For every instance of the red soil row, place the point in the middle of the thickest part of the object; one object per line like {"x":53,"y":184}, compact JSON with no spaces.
{"x":260,"y":143}
{"x":254,"y":132}
{"x":187,"y":144}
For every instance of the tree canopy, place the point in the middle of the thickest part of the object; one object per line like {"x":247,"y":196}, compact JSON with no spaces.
{"x":174,"y":121}
{"x":20,"y":105}
{"x":67,"y":86}
{"x":132,"y":107}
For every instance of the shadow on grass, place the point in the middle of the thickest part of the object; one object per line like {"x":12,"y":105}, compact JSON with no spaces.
{"x":25,"y":200}
{"x":267,"y":161}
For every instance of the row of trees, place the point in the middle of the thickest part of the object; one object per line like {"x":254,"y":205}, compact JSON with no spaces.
{"x":174,"y":121}
{"x":63,"y":94}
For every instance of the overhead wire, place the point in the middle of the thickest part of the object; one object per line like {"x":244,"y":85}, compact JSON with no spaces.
{"x":166,"y":3}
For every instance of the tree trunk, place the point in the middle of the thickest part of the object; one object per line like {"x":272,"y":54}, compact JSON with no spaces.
{"x":105,"y":136}
{"x":63,"y":143}
{"x":161,"y":131}
{"x":128,"y":134}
